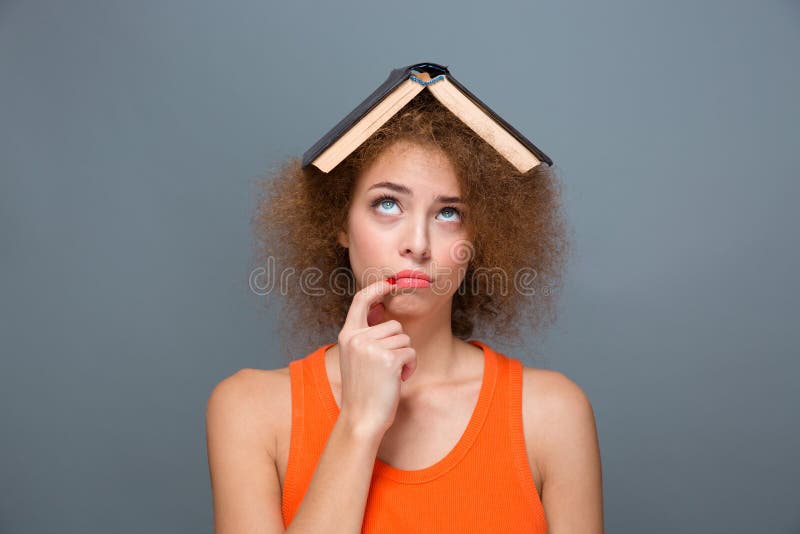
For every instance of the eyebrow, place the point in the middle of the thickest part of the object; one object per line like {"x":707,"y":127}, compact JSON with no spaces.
{"x":397,"y":188}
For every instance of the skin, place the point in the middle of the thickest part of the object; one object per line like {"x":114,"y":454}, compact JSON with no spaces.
{"x":249,"y":412}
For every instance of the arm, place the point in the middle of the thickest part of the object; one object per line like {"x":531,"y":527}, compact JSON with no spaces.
{"x":572,"y":475}
{"x":241,"y":450}
{"x":337,"y":495}
{"x":244,"y":478}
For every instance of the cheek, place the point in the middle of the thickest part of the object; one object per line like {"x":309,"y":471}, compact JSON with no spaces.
{"x":368,"y":247}
{"x":453,"y":258}
{"x":366,"y":241}
{"x":456,"y":252}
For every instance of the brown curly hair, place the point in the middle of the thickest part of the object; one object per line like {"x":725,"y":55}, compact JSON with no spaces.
{"x":515,"y":220}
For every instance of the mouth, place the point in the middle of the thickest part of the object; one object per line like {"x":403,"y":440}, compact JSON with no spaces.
{"x":411,"y":278}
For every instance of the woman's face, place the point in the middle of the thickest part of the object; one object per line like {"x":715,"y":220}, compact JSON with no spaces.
{"x":405,"y":213}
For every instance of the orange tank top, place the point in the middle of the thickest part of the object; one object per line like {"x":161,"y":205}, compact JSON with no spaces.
{"x":484,"y":484}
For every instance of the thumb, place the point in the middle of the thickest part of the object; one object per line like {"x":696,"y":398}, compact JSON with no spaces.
{"x":408,"y":369}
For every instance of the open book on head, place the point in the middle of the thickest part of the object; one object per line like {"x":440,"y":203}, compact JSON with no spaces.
{"x":402,"y":85}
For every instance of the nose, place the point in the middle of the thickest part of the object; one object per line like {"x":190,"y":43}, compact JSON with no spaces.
{"x":416,"y":241}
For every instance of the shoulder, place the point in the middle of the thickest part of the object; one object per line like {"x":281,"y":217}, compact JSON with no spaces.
{"x":555,"y":391}
{"x":560,"y":419}
{"x":250,"y":387}
{"x":556,"y":411}
{"x":242,"y":412}
{"x":252,"y":404}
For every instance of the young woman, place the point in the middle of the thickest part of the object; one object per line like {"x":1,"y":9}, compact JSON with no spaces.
{"x":423,"y":237}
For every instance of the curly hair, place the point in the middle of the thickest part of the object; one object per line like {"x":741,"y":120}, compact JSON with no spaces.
{"x":515,"y":220}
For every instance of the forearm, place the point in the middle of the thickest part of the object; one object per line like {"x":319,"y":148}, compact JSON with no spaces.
{"x":337,"y":494}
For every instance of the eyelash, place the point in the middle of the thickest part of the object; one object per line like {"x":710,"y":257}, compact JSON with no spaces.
{"x":378,"y":201}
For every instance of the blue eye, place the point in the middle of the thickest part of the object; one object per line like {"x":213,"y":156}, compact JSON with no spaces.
{"x":383,"y":201}
{"x":453,"y":210}
{"x":387,"y":202}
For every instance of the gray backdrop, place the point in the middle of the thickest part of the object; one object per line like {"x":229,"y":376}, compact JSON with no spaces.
{"x":131,"y":134}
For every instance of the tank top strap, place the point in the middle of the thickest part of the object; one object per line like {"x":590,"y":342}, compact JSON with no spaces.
{"x":311,"y":427}
{"x":503,"y":440}
{"x":516,"y":431}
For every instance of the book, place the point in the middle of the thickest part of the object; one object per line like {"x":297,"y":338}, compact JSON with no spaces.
{"x":399,"y":88}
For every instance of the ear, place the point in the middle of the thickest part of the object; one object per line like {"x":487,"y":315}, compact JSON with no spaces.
{"x":343,"y":239}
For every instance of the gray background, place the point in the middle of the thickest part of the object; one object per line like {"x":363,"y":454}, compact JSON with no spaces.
{"x":131,"y":134}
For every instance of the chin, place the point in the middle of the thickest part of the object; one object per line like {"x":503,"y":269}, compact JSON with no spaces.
{"x":409,"y":306}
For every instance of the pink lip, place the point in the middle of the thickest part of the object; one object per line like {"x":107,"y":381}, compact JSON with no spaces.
{"x":409,"y":273}
{"x":412,"y":282}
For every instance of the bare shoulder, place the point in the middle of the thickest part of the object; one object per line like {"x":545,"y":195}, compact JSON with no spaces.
{"x":252,"y":401}
{"x":559,"y":421}
{"x":555,"y":391}
{"x":242,"y":414}
{"x":556,"y":411}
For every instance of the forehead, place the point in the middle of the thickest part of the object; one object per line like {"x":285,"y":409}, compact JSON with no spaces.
{"x":413,"y":165}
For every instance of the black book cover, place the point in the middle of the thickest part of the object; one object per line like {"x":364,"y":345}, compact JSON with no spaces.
{"x":395,"y":78}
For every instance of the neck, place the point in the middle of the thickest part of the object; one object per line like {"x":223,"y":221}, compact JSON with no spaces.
{"x":435,"y":346}
{"x":441,"y":357}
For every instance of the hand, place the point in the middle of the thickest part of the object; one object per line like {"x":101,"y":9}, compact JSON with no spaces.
{"x":373,"y":359}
